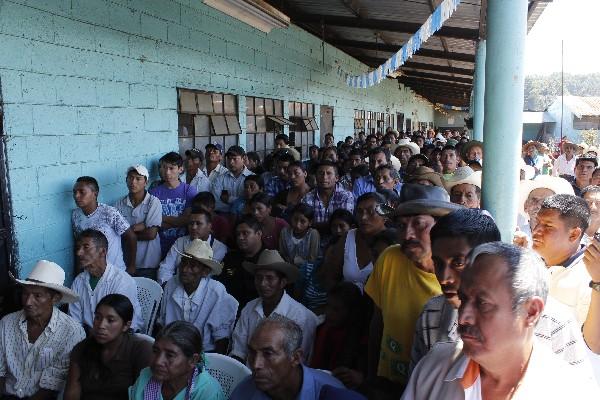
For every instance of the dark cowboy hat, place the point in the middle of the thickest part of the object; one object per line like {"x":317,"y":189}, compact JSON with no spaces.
{"x":428,"y":200}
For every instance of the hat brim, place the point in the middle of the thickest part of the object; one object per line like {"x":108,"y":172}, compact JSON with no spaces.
{"x":473,"y":179}
{"x":433,"y":178}
{"x":68,"y":295}
{"x":289,"y":270}
{"x":435,"y":208}
{"x":215,"y":267}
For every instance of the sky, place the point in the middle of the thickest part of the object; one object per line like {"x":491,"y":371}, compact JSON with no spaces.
{"x":575,"y":22}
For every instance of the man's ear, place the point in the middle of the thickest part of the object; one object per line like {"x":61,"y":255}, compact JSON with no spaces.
{"x":575,"y":234}
{"x":297,"y":357}
{"x":533,"y":309}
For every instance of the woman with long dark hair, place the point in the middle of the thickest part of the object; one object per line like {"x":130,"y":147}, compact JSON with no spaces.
{"x":104,"y":365}
{"x":177,"y":369}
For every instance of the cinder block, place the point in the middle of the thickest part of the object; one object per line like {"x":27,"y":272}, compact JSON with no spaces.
{"x":178,"y":35}
{"x":153,"y":27}
{"x":112,"y":94}
{"x":191,"y":17}
{"x":75,"y":91}
{"x":94,"y":120}
{"x":125,"y":69}
{"x":218,"y":47}
{"x":240,"y":53}
{"x":142,"y":96}
{"x":56,"y":120}
{"x":199,"y":41}
{"x":167,"y":98}
{"x":18,"y":119}
{"x":30,"y":243}
{"x":159,"y":120}
{"x":16,"y":52}
{"x":91,"y":11}
{"x":79,"y":148}
{"x":11,"y":86}
{"x":62,"y":7}
{"x":17,"y":152}
{"x":58,"y":236}
{"x":53,"y":208}
{"x":74,"y":33}
{"x":168,"y":10}
{"x":43,"y":150}
{"x":54,"y":179}
{"x":112,"y":41}
{"x":219,"y":81}
{"x":124,"y":19}
{"x":103,"y":171}
{"x":28,"y":22}
{"x":23,"y":183}
{"x":127,"y":120}
{"x":37,"y":89}
{"x":142,"y":48}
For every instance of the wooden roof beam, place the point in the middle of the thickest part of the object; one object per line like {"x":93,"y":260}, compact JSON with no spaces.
{"x":382,"y":25}
{"x":448,"y":78}
{"x":355,"y":44}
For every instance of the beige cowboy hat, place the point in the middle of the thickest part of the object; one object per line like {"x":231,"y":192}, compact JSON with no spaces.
{"x":553,"y":183}
{"x":272,"y":260}
{"x":424,"y":173}
{"x":201,"y":251}
{"x":463,"y":175}
{"x":413,"y":147}
{"x":49,"y":275}
{"x":529,"y":144}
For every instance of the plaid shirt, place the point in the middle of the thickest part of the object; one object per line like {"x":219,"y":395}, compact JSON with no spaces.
{"x":340,"y":199}
{"x":556,"y":329}
{"x":274,"y":185}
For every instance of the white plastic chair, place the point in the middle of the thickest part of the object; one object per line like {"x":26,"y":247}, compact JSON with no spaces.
{"x":226,"y":370}
{"x":149,"y":294}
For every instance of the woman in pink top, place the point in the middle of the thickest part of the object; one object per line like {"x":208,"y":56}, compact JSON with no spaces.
{"x":260,"y":204}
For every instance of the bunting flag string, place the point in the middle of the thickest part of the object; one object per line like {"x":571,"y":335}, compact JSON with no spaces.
{"x":433,"y":24}
{"x":454,"y":108}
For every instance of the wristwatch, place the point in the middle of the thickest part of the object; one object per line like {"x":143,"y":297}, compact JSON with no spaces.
{"x":595,"y":286}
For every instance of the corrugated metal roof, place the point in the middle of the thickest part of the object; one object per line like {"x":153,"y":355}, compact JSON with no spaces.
{"x":581,"y":106}
{"x":536,"y":117}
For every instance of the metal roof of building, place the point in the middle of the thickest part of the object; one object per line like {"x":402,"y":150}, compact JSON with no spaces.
{"x":583,"y":106}
{"x":372,"y":30}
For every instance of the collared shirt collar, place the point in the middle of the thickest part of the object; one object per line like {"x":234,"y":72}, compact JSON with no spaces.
{"x":459,"y":366}
{"x":245,"y":172}
{"x":198,"y":295}
{"x":282,"y":307}
{"x":145,"y":201}
{"x":574,"y":258}
{"x":52,"y":323}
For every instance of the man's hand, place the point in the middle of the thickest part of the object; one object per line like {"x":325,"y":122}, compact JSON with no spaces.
{"x":520,"y":239}
{"x":138,"y":227}
{"x":591,"y":259}
{"x":351,"y":378}
{"x":225,"y":196}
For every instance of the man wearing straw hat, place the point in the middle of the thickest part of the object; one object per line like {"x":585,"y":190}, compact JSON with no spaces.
{"x":35,"y":342}
{"x":193,"y":296}
{"x":565,"y":163}
{"x":271,"y":275}
{"x":464,"y":187}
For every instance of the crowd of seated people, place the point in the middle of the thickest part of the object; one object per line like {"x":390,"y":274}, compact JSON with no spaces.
{"x":368,"y":270}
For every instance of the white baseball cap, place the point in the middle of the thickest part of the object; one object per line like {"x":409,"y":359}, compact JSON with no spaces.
{"x":140,"y":169}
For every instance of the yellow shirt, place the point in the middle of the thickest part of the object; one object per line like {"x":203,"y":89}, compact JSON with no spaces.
{"x":400,"y":290}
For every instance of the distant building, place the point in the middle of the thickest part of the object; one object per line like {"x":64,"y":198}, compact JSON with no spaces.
{"x":579,"y":114}
{"x":538,"y":125}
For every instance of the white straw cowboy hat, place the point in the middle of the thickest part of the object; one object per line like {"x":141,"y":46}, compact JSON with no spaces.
{"x":413,"y":147}
{"x":49,"y":275}
{"x":201,"y":251}
{"x":463,"y":175}
{"x":553,"y":183}
{"x":272,"y":260}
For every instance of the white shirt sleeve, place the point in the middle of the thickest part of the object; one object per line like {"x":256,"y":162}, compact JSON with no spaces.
{"x":168,"y":266}
{"x":239,"y":338}
{"x":76,"y":308}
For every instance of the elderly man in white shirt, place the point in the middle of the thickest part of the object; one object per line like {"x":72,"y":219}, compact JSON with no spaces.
{"x":199,"y":227}
{"x":35,"y":342}
{"x":271,"y":275}
{"x":99,"y":279}
{"x":565,"y":163}
{"x":194,"y":297}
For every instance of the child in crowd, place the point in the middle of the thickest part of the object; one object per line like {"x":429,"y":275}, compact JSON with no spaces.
{"x":221,"y":228}
{"x":176,"y":200}
{"x":252,"y":184}
{"x":272,"y":226}
{"x":299,"y":243}
{"x":341,"y":341}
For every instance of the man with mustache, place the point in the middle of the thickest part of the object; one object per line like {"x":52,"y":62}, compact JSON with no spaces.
{"x":452,"y":239}
{"x":401,"y":283}
{"x":502,"y":295}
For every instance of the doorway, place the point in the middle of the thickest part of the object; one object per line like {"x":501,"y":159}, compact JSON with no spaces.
{"x":400,"y":121}
{"x":326,"y":125}
{"x":8,"y":298}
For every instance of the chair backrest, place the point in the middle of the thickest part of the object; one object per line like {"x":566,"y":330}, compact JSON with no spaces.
{"x":226,"y":370}
{"x":149,"y":294}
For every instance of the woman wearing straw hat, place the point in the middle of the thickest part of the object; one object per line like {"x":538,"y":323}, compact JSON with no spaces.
{"x":271,"y":275}
{"x":36,"y":341}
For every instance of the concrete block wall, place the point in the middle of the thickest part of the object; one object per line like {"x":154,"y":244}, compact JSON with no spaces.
{"x":89,"y":87}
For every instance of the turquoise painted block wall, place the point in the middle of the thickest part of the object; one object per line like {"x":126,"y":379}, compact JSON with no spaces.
{"x":89,"y":87}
